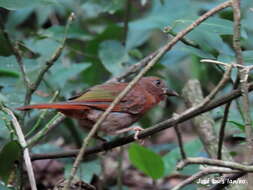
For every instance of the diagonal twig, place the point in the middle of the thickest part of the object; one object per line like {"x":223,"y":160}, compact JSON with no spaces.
{"x":49,"y":63}
{"x":203,"y":172}
{"x":23,"y":144}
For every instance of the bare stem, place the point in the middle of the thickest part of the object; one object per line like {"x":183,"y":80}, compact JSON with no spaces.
{"x":59,"y":117}
{"x":214,"y":162}
{"x":204,"y":172}
{"x":49,"y":63}
{"x":180,"y":142}
{"x":23,"y":144}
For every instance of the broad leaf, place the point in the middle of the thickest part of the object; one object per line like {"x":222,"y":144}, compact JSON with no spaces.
{"x":192,"y":148}
{"x":19,"y":4}
{"x":8,"y":155}
{"x":113,"y":55}
{"x":146,"y":160}
{"x":85,"y":171}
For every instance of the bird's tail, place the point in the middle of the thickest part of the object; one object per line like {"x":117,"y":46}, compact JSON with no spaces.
{"x":60,"y":105}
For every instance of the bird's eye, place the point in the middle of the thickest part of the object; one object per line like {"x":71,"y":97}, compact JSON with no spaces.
{"x":157,"y":82}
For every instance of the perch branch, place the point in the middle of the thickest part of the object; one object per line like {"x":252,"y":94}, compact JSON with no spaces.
{"x":214,"y":162}
{"x":204,"y":172}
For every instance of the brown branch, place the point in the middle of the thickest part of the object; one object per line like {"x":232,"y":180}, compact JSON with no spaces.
{"x":180,"y":142}
{"x":237,"y":31}
{"x":214,"y":162}
{"x":203,"y":123}
{"x":238,"y":52}
{"x":22,"y":142}
{"x":150,"y":131}
{"x":244,"y":73}
{"x":222,"y":130}
{"x":16,"y":52}
{"x":126,"y":19}
{"x":58,"y":118}
{"x":204,"y":172}
{"x":49,"y":63}
{"x":185,"y":40}
{"x":226,"y":180}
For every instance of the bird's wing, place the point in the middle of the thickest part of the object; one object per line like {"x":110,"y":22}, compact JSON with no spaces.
{"x":101,"y":96}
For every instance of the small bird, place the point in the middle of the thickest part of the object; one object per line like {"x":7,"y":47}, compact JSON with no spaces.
{"x":89,"y":105}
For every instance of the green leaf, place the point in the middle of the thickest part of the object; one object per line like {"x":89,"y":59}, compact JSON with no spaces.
{"x":9,"y":154}
{"x":159,"y":16}
{"x":113,"y":55}
{"x":9,"y":66}
{"x":74,"y":32}
{"x":85,"y":171}
{"x":238,"y":125}
{"x":19,"y":4}
{"x":2,"y":187}
{"x":197,"y":52}
{"x":146,"y":160}
{"x":212,"y":25}
{"x":192,"y":148}
{"x":241,"y":135}
{"x":61,"y":73}
{"x":44,"y":47}
{"x":93,"y":8}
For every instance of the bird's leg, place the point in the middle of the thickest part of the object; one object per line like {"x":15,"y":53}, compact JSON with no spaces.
{"x":136,"y":129}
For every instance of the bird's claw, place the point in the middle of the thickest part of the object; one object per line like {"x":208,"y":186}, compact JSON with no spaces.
{"x":137,"y":130}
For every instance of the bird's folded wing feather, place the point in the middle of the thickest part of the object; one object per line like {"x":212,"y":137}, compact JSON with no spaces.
{"x":101,"y":97}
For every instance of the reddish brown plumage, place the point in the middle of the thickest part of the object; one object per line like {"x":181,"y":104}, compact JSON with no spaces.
{"x":89,"y":105}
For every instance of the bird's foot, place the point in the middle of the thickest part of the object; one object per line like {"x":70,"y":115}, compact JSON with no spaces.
{"x":136,"y":129}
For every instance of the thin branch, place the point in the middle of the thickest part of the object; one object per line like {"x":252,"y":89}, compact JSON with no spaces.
{"x":180,"y":142}
{"x":237,"y":31}
{"x":244,"y":73}
{"x":149,"y":131}
{"x":58,"y":118}
{"x":214,"y":162}
{"x":23,"y":144}
{"x":204,"y":172}
{"x":226,"y":181}
{"x":17,"y":54}
{"x":207,"y":99}
{"x":185,"y":40}
{"x":49,"y":63}
{"x":42,"y":116}
{"x":120,"y":171}
{"x":222,"y":130}
{"x":126,"y":19}
{"x":161,"y":52}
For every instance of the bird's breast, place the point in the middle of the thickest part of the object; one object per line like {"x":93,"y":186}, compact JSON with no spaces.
{"x":114,"y":121}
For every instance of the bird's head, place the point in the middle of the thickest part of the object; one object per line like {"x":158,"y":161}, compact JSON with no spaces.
{"x":157,"y":87}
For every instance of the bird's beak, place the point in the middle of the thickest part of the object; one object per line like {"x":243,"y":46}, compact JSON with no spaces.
{"x":171,"y":93}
